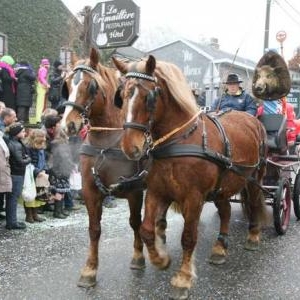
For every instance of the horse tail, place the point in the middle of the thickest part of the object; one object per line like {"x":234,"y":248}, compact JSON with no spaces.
{"x":254,"y":205}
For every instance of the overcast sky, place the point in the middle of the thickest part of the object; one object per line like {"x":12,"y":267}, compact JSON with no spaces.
{"x":239,"y":25}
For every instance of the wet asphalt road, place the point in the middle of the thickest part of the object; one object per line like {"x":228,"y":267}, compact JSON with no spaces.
{"x":44,"y":261}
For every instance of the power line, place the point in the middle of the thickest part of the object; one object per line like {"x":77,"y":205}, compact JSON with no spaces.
{"x":287,"y":13}
{"x":292,"y":7}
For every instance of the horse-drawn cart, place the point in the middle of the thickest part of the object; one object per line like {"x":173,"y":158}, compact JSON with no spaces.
{"x":282,"y":182}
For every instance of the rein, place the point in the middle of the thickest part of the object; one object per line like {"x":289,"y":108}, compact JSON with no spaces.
{"x":92,"y":128}
{"x":168,"y":135}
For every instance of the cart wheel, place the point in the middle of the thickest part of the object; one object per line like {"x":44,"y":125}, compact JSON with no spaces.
{"x":282,"y":206}
{"x":296,"y":196}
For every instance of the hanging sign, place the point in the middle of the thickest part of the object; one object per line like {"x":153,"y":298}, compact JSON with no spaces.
{"x":115,"y":23}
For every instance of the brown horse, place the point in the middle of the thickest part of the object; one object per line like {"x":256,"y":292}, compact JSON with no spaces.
{"x":196,"y":157}
{"x":91,"y":88}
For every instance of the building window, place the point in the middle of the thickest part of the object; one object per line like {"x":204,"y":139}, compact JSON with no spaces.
{"x":2,"y":44}
{"x":65,"y":55}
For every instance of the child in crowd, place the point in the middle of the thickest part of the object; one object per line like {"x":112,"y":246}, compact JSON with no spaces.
{"x":60,"y":163}
{"x":18,"y":160}
{"x":36,"y":144}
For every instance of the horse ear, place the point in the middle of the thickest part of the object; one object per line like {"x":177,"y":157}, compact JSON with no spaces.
{"x":150,"y":65}
{"x":94,"y":58}
{"x":120,"y":65}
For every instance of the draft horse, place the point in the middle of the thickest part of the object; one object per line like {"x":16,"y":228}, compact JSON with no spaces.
{"x":90,"y":90}
{"x":196,"y":157}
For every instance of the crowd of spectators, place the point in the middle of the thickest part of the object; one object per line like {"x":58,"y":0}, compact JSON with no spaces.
{"x":48,"y":149}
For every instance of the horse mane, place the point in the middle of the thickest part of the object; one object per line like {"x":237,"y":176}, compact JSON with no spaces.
{"x":177,"y":84}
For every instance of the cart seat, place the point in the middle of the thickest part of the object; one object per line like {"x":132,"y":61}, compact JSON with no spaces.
{"x":275,"y":125}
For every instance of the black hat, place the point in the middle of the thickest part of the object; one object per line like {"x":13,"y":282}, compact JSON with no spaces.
{"x":233,"y":78}
{"x":51,"y":121}
{"x":57,"y":63}
{"x":15,"y":128}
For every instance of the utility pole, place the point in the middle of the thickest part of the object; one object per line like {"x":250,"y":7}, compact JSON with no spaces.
{"x":267,"y":26}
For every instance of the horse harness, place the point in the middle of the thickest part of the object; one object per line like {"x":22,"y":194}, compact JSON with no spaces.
{"x":137,"y":180}
{"x":93,"y":88}
{"x":161,"y":149}
{"x":124,"y":183}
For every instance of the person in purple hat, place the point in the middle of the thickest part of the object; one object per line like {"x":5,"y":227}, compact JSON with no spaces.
{"x":42,"y":88}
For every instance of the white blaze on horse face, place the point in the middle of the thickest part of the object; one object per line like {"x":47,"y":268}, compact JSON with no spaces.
{"x":72,"y":98}
{"x":129,"y":116}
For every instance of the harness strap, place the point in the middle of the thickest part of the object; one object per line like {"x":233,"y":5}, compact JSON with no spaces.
{"x":79,"y":107}
{"x":135,"y":182}
{"x":223,"y":134}
{"x":91,"y":150}
{"x":181,"y":150}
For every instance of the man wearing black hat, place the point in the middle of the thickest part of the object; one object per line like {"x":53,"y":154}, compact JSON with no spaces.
{"x":235,"y":97}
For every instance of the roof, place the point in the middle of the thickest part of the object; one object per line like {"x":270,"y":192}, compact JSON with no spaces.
{"x":129,"y":52}
{"x":216,"y":55}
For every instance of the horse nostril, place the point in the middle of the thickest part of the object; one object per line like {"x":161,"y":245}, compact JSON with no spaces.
{"x":134,"y":154}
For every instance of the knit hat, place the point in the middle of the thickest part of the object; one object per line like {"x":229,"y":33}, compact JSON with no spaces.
{"x":57,"y":63}
{"x":51,"y":121}
{"x":45,"y":61}
{"x":8,"y":59}
{"x":15,"y":128}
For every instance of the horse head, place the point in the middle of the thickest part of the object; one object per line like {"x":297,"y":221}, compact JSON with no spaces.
{"x":89,"y":88}
{"x":154,"y":95}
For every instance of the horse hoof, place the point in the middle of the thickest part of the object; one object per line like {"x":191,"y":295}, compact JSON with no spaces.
{"x":163,"y":263}
{"x":86,"y":282}
{"x":217,"y":259}
{"x":179,"y":293}
{"x":138,"y":264}
{"x":252,"y":246}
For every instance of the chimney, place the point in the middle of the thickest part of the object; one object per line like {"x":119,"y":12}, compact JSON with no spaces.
{"x":214,"y":43}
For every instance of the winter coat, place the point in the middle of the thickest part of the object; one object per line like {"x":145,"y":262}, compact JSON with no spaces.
{"x":38,"y":160}
{"x":5,"y":176}
{"x":18,"y":158}
{"x":8,"y":94}
{"x":25,"y":86}
{"x":60,"y":164}
{"x":56,"y":81}
{"x":241,"y":102}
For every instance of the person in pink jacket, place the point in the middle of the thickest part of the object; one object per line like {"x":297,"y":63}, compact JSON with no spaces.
{"x":42,"y":88}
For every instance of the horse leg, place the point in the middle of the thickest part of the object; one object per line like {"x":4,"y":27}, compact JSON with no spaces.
{"x":219,"y":249}
{"x":254,"y":206}
{"x":94,"y":207}
{"x":135,"y":201}
{"x":155,"y":212}
{"x":182,"y":281}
